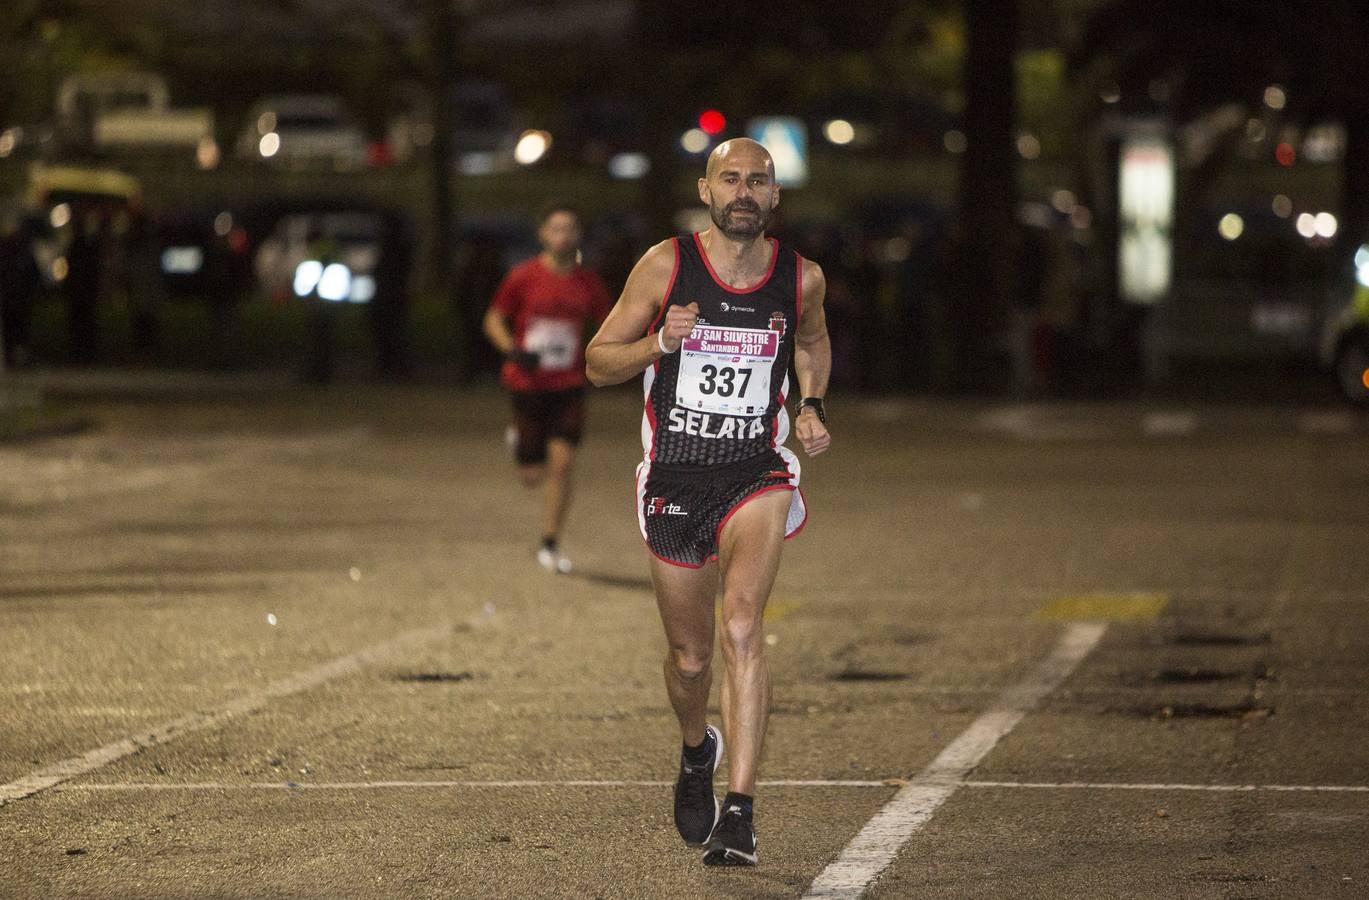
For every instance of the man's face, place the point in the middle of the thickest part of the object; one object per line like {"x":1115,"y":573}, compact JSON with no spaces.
{"x":741,"y":191}
{"x":560,"y":234}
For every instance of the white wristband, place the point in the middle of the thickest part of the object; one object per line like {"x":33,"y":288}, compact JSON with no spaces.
{"x":660,"y":342}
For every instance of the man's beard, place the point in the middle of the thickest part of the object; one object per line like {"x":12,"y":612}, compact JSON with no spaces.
{"x":735,"y":228}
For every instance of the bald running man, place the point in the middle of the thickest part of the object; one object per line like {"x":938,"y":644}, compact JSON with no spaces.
{"x":712,"y":321}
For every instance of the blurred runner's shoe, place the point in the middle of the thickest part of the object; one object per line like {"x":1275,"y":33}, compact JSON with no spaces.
{"x":733,"y":842}
{"x":696,"y":806}
{"x":553,"y":560}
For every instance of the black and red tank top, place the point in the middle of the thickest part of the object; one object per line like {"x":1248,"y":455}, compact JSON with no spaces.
{"x":720,"y":398}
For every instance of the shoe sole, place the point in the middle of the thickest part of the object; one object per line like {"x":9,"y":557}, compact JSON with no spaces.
{"x":726,"y":856}
{"x":717,"y":804}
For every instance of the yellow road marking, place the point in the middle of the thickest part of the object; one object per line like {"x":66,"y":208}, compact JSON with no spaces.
{"x":1113,"y":607}
{"x":774,"y":610}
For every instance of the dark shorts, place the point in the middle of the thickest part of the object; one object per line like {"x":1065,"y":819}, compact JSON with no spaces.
{"x":682,"y":510}
{"x":540,"y":416}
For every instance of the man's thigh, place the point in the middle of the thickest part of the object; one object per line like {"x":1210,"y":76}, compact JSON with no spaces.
{"x":685,"y":600}
{"x":749,"y":550}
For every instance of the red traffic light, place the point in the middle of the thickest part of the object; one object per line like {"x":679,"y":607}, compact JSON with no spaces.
{"x":712,"y":121}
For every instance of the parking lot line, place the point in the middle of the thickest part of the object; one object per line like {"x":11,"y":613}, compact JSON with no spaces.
{"x":55,"y":774}
{"x":872,"y":850}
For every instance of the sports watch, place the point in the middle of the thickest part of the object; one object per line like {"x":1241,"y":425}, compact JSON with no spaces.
{"x":816,"y":404}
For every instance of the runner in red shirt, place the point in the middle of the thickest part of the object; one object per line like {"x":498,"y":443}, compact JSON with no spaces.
{"x":538,"y":320}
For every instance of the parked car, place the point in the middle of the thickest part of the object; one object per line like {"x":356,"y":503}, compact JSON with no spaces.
{"x":132,"y":110}
{"x":291,"y":261}
{"x":303,"y":130}
{"x":1344,"y":345}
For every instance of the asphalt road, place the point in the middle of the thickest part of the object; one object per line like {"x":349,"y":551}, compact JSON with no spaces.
{"x":260,"y":642}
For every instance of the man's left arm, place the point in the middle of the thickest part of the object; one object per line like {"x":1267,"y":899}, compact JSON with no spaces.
{"x":812,"y":359}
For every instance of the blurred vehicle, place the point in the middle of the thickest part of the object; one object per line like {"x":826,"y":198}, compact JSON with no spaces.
{"x":132,"y":110}
{"x":484,"y":130}
{"x":56,"y":196}
{"x":1247,"y":287}
{"x":331,"y":253}
{"x":1344,"y":344}
{"x":203,"y":253}
{"x":303,"y":130}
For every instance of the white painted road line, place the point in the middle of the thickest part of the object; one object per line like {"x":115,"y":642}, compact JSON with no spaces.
{"x":380,"y":785}
{"x":874,"y":848}
{"x":49,"y":776}
{"x":779,"y":783}
{"x":1215,"y":788}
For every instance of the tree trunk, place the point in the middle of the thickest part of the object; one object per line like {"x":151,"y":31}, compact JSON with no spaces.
{"x":988,"y":192}
{"x":441,"y":47}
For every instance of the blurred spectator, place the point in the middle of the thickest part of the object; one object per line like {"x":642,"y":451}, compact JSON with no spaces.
{"x":143,"y":284}
{"x":479,"y":269}
{"x":950,"y":285}
{"x":913,"y":307}
{"x":85,"y":271}
{"x":20,"y":282}
{"x":1061,"y":344}
{"x":390,"y":306}
{"x":1031,"y":257}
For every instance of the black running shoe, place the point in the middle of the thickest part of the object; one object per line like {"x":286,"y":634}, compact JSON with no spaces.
{"x":696,"y":807}
{"x":733,"y":842}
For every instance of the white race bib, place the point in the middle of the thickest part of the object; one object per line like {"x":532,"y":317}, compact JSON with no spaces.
{"x":554,"y":341}
{"x":727,"y":370}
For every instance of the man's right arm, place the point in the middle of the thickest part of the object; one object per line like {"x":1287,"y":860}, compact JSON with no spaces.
{"x":619,"y":351}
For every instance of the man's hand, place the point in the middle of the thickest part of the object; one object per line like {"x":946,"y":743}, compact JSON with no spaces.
{"x":679,"y":322}
{"x":812,"y":434}
{"x":526,"y":360}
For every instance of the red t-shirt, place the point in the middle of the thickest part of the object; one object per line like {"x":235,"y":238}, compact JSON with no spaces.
{"x":548,"y":313}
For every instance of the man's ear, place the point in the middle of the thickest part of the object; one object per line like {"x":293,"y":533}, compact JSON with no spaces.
{"x":704,"y":193}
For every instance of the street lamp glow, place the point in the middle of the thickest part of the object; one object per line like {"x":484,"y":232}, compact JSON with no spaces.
{"x":1275,"y":97}
{"x":269,"y":145}
{"x":60,"y":215}
{"x":1326,"y":225}
{"x":695,"y":140}
{"x":955,"y":141}
{"x":1306,"y":225}
{"x":629,"y":166}
{"x":532,"y":146}
{"x":1283,"y":207}
{"x":839,"y":132}
{"x":1231,"y":226}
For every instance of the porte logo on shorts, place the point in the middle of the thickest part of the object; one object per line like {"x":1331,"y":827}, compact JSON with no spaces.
{"x":657,"y":506}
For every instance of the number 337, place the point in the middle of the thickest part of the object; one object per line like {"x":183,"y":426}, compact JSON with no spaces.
{"x":722,"y":381}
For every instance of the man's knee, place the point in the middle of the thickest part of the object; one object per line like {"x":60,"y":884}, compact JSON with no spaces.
{"x":689,"y":665}
{"x":741,"y":632}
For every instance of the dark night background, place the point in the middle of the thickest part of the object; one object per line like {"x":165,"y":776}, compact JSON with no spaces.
{"x":969,"y":225}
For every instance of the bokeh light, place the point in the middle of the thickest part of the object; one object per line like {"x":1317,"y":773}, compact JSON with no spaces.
{"x":839,"y":132}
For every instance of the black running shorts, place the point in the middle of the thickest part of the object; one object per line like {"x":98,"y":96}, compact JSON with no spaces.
{"x":682,"y":509}
{"x":540,"y":416}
